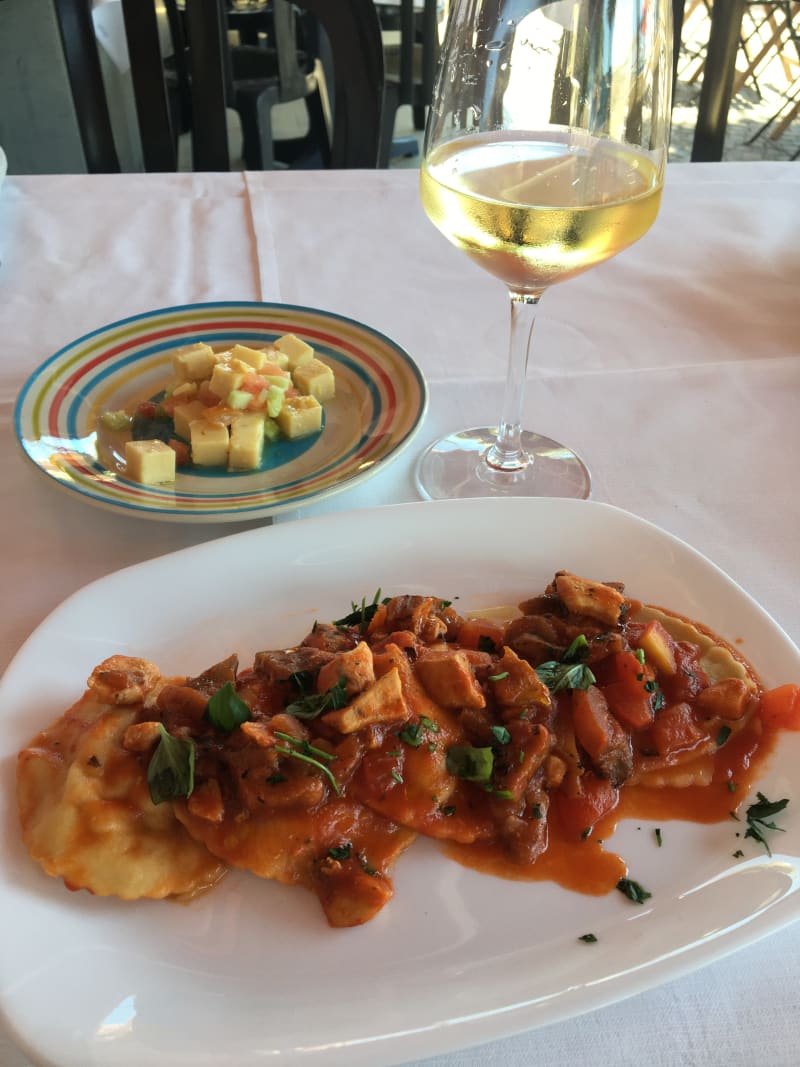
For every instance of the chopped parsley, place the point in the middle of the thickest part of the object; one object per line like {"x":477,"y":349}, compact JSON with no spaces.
{"x":501,"y":734}
{"x":723,"y":735}
{"x":589,"y":939}
{"x":758,"y":816}
{"x":361,"y":615}
{"x":340,"y":852}
{"x":306,"y":753}
{"x":659,"y":839}
{"x":498,"y":677}
{"x":412,"y":735}
{"x":633,"y":890}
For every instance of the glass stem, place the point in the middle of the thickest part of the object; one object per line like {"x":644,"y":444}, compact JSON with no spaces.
{"x":507,"y":453}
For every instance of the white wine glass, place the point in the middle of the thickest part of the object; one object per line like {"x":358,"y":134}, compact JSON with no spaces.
{"x":545,"y":151}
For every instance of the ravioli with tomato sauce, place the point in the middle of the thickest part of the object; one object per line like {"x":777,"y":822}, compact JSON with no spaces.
{"x":518,"y":745}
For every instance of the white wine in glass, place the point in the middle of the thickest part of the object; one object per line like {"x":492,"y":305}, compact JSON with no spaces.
{"x":545,"y":153}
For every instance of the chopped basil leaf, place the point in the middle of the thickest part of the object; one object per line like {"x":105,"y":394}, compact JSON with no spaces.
{"x":444,"y":604}
{"x":571,"y":672}
{"x":340,"y":852}
{"x":471,"y":764}
{"x":557,"y":676}
{"x":633,"y":891}
{"x":501,"y":734}
{"x":170,"y":773}
{"x":659,"y":840}
{"x":397,"y":776}
{"x":589,"y":939}
{"x":429,"y":724}
{"x":640,"y":655}
{"x":313,"y":704}
{"x":731,"y":786}
{"x":226,"y":710}
{"x":758,"y":815}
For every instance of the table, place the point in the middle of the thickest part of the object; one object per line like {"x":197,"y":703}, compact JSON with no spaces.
{"x":674,"y":369}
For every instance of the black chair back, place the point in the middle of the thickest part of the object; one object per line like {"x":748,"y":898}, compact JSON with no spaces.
{"x":410,"y":68}
{"x":354,"y":35}
{"x":352,"y":29}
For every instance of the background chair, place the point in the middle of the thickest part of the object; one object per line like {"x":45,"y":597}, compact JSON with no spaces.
{"x":352,"y":31}
{"x":410,"y":69}
{"x":268,"y":64}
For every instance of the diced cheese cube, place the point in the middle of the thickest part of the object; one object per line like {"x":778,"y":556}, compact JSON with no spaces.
{"x":209,"y":441}
{"x":184,"y":414}
{"x":247,"y":441}
{"x":193,"y":363}
{"x":253,"y":357}
{"x":315,"y":378}
{"x":225,"y":377}
{"x":296,"y":351}
{"x":149,"y":462}
{"x":185,"y":391}
{"x":300,"y":416}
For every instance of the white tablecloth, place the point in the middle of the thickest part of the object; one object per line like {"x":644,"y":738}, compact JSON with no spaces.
{"x":673,"y":369}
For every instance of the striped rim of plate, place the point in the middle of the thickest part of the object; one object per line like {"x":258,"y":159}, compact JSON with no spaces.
{"x":381,"y":400}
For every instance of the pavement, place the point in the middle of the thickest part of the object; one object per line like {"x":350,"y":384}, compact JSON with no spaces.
{"x":766,"y":93}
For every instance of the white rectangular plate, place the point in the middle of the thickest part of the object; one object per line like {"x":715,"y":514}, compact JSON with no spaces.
{"x":251,"y":973}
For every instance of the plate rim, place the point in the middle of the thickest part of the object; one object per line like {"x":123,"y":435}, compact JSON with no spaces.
{"x":515,"y":1018}
{"x":244,"y":512}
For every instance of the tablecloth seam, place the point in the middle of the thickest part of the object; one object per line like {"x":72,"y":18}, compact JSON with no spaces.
{"x":267,"y":278}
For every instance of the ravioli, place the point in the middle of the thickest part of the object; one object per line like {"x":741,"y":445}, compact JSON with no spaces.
{"x":341,"y":850}
{"x":84,"y":803}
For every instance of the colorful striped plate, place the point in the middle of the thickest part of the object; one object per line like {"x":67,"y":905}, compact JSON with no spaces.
{"x":380,"y":402}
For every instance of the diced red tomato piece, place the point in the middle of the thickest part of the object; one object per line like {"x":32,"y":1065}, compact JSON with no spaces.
{"x":579,"y":814}
{"x":591,"y":720}
{"x":631,"y":671}
{"x":254,"y":383}
{"x":780,"y":707}
{"x":476,"y":633}
{"x":147,"y":409}
{"x":630,"y":706}
{"x":675,"y":730}
{"x":181,"y":450}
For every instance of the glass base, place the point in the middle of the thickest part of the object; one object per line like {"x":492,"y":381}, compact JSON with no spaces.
{"x":454,"y":467}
